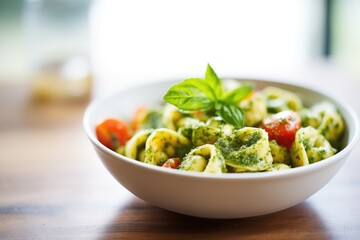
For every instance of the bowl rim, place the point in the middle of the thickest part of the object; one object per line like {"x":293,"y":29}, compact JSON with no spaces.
{"x":227,"y":176}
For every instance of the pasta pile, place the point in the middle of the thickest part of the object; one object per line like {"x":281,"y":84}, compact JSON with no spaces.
{"x":202,"y":142}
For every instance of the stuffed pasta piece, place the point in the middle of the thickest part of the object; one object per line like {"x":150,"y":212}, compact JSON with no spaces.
{"x":280,"y":154}
{"x":135,"y":147}
{"x":246,"y":150}
{"x":163,"y":144}
{"x":255,"y":109}
{"x":171,"y":117}
{"x":205,"y":158}
{"x":278,"y":99}
{"x":326,"y":119}
{"x":309,"y":146}
{"x":201,"y":133}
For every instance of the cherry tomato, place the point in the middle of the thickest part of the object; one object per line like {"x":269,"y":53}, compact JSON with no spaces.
{"x":282,"y":127}
{"x":113,"y":133}
{"x":138,"y":118}
{"x":172,"y":163}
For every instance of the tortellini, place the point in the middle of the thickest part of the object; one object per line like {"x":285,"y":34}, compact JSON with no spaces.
{"x":205,"y":158}
{"x":171,"y":117}
{"x":163,"y":144}
{"x":246,"y":150}
{"x":254,"y":109}
{"x":278,"y":99}
{"x":201,"y":133}
{"x":325,"y":118}
{"x":135,"y":147}
{"x":309,"y":147}
{"x":280,"y":154}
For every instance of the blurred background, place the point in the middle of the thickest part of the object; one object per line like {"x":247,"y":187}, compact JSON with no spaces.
{"x":76,"y":49}
{"x":56,"y":55}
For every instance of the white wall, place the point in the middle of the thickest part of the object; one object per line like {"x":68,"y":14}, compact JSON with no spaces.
{"x":132,"y":41}
{"x":137,"y":40}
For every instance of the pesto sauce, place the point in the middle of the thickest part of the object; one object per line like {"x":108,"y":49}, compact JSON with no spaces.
{"x":233,"y":149}
{"x":182,"y":150}
{"x":153,"y":120}
{"x":246,"y":140}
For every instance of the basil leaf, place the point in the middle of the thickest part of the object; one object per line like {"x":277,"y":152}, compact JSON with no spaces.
{"x":208,"y":94}
{"x":190,"y":95}
{"x":238,"y":94}
{"x":230,"y":114}
{"x":214,"y":81}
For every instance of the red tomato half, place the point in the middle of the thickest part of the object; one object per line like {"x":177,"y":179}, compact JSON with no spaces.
{"x":113,"y":133}
{"x":282,"y":127}
{"x":172,"y":163}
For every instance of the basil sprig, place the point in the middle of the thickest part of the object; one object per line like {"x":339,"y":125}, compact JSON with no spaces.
{"x":208,"y":94}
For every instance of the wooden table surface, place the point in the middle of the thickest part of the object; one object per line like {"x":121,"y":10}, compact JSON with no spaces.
{"x":53,"y":186}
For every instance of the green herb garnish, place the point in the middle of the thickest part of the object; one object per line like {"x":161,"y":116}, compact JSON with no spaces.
{"x":208,"y":94}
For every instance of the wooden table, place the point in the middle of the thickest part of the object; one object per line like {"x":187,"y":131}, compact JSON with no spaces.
{"x":53,"y":186}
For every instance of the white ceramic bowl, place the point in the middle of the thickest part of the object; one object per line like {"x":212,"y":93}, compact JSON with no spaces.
{"x":231,"y":195}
